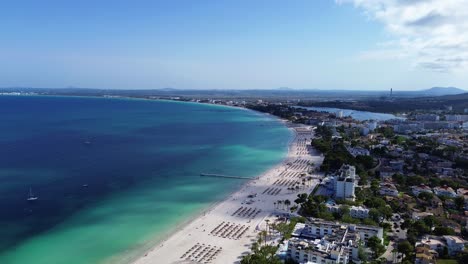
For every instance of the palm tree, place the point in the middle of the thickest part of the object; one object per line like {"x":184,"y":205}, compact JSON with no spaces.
{"x":263,"y":237}
{"x":268,"y":226}
{"x":280,"y":202}
{"x":287,"y":203}
{"x":275,"y":204}
{"x":258,"y":243}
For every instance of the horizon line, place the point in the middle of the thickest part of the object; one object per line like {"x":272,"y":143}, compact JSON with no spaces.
{"x":239,"y":89}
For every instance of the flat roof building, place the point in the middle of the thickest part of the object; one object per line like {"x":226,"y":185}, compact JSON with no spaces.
{"x":319,"y":241}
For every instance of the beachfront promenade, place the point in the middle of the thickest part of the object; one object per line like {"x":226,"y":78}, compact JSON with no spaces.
{"x":225,"y":232}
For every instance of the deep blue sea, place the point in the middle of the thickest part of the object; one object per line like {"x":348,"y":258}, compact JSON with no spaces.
{"x":113,"y":176}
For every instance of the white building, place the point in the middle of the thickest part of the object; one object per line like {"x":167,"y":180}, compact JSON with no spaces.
{"x":427,"y":117}
{"x":339,"y":114}
{"x":329,"y":242}
{"x":408,"y":127}
{"x":344,"y":188}
{"x":388,"y":189}
{"x":358,"y":151}
{"x":445,"y":191}
{"x":319,"y":251}
{"x":456,"y":117}
{"x":358,"y":212}
{"x":354,"y":211}
{"x":434,"y":243}
{"x":454,"y":244}
{"x":440,"y":125}
{"x":345,"y":183}
{"x":317,"y":228}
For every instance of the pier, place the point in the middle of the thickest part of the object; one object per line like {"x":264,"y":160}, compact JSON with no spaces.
{"x":223,"y":176}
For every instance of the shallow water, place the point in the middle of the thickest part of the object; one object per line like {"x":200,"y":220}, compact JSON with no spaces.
{"x":140,"y":161}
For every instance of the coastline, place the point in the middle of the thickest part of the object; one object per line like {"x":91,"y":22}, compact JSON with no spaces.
{"x":135,"y":254}
{"x":207,"y":204}
{"x":173,"y":244}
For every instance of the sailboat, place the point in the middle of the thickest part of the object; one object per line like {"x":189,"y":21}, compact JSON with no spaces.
{"x":31,"y":196}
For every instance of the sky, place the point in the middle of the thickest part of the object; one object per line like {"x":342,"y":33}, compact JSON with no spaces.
{"x":242,"y":44}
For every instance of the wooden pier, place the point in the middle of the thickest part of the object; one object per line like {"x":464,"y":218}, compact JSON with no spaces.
{"x":223,"y":176}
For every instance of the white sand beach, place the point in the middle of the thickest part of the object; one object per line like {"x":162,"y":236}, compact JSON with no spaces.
{"x":225,"y":232}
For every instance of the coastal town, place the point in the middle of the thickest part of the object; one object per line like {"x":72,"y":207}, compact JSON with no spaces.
{"x":356,"y":187}
{"x":234,"y":132}
{"x":351,"y":191}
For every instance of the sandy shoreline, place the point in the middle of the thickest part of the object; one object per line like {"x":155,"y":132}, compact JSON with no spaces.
{"x":225,"y":231}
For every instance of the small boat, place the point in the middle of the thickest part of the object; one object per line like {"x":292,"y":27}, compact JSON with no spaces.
{"x":87,"y":142}
{"x":84,"y":185}
{"x":31,"y":196}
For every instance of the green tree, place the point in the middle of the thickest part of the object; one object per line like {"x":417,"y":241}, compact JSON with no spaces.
{"x":386,"y":131}
{"x":426,"y":196}
{"x":420,"y":228}
{"x":281,"y":227}
{"x":430,"y":221}
{"x":301,"y":198}
{"x":344,"y":210}
{"x":386,"y":211}
{"x":443,"y":231}
{"x":375,"y":186}
{"x":366,"y":161}
{"x":362,"y":254}
{"x":261,"y":255}
{"x":375,"y":215}
{"x":405,"y":247}
{"x":375,"y":202}
{"x":262,"y":237}
{"x":399,"y":179}
{"x":415,"y":180}
{"x":375,"y":244}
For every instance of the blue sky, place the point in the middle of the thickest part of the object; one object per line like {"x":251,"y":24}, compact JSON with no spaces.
{"x":240,"y":44}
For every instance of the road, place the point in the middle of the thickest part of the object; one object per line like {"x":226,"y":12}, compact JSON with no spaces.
{"x":398,"y":235}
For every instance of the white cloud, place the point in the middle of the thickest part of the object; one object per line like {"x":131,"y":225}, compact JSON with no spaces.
{"x":434,"y":33}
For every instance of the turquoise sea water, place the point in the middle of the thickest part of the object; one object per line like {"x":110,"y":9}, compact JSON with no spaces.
{"x":115,"y":175}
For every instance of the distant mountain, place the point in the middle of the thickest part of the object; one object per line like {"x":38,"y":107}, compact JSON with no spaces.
{"x":438,"y":91}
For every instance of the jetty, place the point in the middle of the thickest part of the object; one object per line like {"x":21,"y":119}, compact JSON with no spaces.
{"x":223,"y":176}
